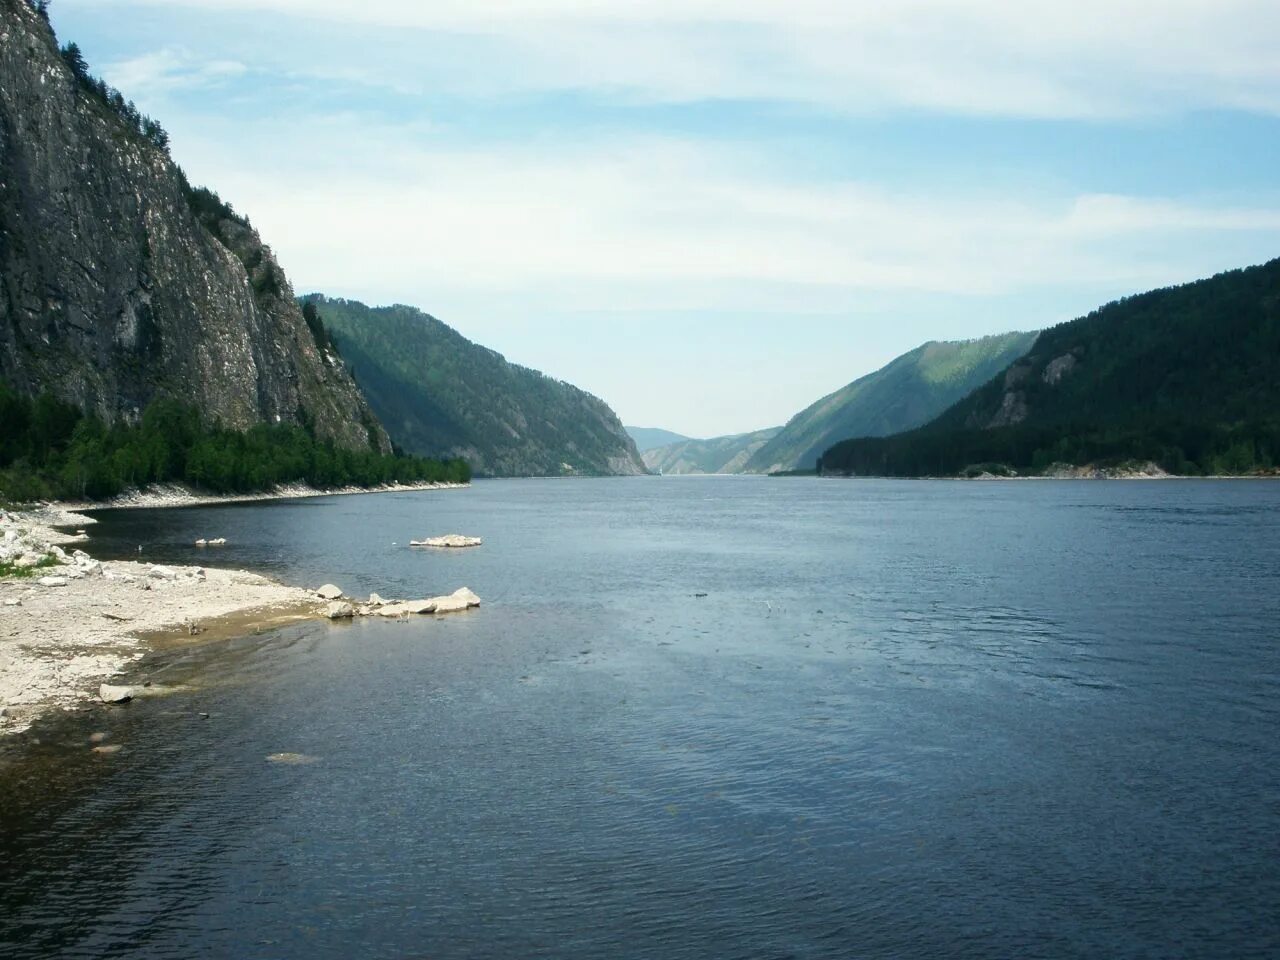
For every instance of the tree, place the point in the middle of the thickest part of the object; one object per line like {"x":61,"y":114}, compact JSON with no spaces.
{"x":75,"y":61}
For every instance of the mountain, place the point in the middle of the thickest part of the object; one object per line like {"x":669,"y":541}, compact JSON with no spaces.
{"x":906,"y":393}
{"x":1186,"y":377}
{"x":718,"y":455}
{"x":439,"y":394}
{"x":650,"y":438}
{"x":121,"y":284}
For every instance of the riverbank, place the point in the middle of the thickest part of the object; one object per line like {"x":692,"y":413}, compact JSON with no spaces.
{"x":177,"y":495}
{"x":66,"y":627}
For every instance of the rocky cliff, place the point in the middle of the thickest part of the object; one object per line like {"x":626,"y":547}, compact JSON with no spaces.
{"x":118,"y":282}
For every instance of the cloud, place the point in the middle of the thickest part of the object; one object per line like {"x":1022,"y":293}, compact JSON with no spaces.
{"x":1023,"y":58}
{"x":168,"y":70}
{"x":668,"y":224}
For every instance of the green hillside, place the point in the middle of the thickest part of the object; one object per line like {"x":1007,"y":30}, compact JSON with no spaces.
{"x":906,"y":393}
{"x":717,"y":455}
{"x":1187,"y":377}
{"x":440,"y":395}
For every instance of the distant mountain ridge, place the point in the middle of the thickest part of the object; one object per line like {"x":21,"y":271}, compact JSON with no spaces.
{"x":905,"y":393}
{"x":717,"y":455}
{"x":1187,"y":377}
{"x":440,"y":395}
{"x":650,"y":438}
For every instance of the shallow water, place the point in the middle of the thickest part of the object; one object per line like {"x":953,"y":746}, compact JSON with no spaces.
{"x":906,"y":719}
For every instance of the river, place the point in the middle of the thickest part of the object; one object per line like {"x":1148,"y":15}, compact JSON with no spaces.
{"x":695,"y":717}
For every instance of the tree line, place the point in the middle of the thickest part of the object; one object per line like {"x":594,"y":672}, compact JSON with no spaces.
{"x":50,"y":449}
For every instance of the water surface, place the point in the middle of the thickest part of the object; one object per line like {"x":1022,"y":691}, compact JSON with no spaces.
{"x":694,"y":718}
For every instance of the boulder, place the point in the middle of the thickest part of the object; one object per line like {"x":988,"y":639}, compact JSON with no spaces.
{"x":375,"y":600}
{"x":118,"y":694}
{"x":27,"y":561}
{"x":329,"y":592}
{"x":202,"y":542}
{"x":407,"y":608}
{"x":465,"y":593}
{"x":450,"y":541}
{"x":158,"y":572}
{"x":339,"y":611}
{"x":52,"y":581}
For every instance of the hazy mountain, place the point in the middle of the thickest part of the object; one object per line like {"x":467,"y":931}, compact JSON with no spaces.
{"x":906,"y":393}
{"x":717,"y":455}
{"x":1188,"y":377}
{"x":441,"y":395}
{"x":650,"y":438}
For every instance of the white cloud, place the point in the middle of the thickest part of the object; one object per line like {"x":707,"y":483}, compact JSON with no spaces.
{"x":677,"y":225}
{"x":1028,"y":58}
{"x":170,"y":69}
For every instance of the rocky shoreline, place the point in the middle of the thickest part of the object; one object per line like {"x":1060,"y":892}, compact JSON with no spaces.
{"x":176,"y":495}
{"x":69,"y":622}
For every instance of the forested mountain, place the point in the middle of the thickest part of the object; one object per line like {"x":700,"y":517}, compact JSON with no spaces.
{"x":439,"y":394}
{"x":121,"y":284}
{"x":906,"y":393}
{"x":650,"y":438}
{"x":717,"y":455}
{"x":1187,"y":377}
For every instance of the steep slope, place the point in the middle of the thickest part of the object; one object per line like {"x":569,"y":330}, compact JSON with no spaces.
{"x":717,"y":455}
{"x":439,"y":394}
{"x":1188,"y":377}
{"x":119,"y":283}
{"x":651,"y":438}
{"x":906,"y":393}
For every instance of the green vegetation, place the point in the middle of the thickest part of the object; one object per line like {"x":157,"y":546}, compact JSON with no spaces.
{"x":438,"y":394}
{"x":51,"y":450}
{"x":11,"y":571}
{"x":717,"y":455}
{"x":906,"y":393}
{"x":1187,"y":377}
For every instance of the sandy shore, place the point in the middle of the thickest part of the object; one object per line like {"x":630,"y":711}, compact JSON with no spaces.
{"x":71,"y":621}
{"x":68,"y":627}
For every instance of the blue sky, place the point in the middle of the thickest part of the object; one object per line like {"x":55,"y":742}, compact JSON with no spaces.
{"x":711,"y":213}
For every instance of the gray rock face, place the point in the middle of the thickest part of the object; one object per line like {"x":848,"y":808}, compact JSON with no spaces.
{"x":113,"y":291}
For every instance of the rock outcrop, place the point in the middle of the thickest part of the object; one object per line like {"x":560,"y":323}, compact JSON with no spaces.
{"x":119,"y":283}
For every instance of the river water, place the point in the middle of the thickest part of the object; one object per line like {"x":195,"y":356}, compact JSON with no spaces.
{"x":696,"y":717}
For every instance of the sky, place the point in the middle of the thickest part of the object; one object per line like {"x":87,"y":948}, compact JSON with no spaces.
{"x":711,"y":213}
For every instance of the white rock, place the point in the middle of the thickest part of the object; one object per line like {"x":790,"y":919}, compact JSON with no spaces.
{"x":220,"y":542}
{"x":202,"y":543}
{"x":13,"y":602}
{"x":52,"y":581}
{"x":162,"y":573}
{"x":452,"y":540}
{"x":375,"y":600}
{"x":27,"y":561}
{"x":329,"y":592}
{"x":339,"y":611}
{"x":91,"y":568}
{"x":407,"y":608}
{"x":114,"y":694}
{"x":465,"y":593}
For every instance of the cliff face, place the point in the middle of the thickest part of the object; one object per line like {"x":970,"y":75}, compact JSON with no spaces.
{"x":117,"y":285}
